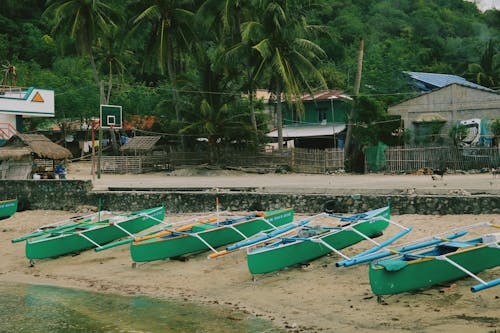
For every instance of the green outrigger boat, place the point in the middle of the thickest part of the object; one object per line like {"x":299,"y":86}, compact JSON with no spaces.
{"x":445,"y":262}
{"x":82,"y":233}
{"x":8,"y":208}
{"x":311,"y":242}
{"x":206,"y":236}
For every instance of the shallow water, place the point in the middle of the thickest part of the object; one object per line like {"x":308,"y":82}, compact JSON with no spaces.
{"x":31,"y":308}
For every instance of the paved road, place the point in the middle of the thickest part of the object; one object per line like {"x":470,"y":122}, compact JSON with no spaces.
{"x":303,"y":183}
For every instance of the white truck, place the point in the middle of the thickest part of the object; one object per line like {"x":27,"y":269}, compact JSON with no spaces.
{"x":478,"y":133}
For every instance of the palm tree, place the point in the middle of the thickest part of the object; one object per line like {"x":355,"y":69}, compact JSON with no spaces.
{"x":285,"y":51}
{"x":243,"y":53}
{"x":114,"y":56}
{"x":239,"y":56}
{"x":487,"y":71}
{"x":220,"y":124}
{"x":84,"y":20}
{"x":228,"y":13}
{"x":170,"y":22}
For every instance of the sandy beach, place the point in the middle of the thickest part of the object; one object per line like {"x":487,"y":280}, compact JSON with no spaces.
{"x":315,"y":298}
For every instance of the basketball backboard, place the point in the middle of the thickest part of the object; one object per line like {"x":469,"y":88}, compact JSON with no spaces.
{"x":111,"y":116}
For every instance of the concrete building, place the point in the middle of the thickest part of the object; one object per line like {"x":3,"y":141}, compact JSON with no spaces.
{"x":17,"y":103}
{"x":444,"y":107}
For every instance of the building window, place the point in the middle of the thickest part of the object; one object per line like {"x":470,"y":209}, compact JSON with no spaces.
{"x":322,"y":116}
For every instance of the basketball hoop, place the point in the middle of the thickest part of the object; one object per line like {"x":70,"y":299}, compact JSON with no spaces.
{"x":111,"y":116}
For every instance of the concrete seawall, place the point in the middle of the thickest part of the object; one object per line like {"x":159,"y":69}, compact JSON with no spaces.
{"x":69,"y":194}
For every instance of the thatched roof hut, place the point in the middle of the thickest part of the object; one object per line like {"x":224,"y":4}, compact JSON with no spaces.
{"x":140,"y":144}
{"x":15,"y":153}
{"x":24,"y":151}
{"x":21,"y":145}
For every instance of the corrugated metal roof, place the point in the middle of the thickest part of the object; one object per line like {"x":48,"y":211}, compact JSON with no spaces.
{"x":326,"y":95}
{"x":433,"y":80}
{"x":308,"y":131}
{"x":143,"y":143}
{"x":322,"y":95}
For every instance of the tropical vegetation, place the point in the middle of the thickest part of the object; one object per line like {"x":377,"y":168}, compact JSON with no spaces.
{"x":194,"y":65}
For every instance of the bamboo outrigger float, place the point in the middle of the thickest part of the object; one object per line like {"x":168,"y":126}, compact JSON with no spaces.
{"x":433,"y":261}
{"x":8,"y":208}
{"x":206,"y":236}
{"x":86,"y":232}
{"x":310,"y":242}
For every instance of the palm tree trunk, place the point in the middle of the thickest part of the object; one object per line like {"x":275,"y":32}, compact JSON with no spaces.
{"x":94,"y":71}
{"x":253,"y":119}
{"x":357,"y":84}
{"x":279,"y":115}
{"x":175,"y":94}
{"x":110,"y":83}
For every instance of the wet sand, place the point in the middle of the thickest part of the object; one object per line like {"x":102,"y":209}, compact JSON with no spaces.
{"x":315,"y":298}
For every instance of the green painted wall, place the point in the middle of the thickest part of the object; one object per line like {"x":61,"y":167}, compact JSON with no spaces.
{"x":313,"y":110}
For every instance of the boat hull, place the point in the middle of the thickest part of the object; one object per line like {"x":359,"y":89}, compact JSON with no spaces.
{"x":281,"y":255}
{"x":168,"y":247}
{"x":425,"y":273}
{"x":8,"y":208}
{"x":69,"y":241}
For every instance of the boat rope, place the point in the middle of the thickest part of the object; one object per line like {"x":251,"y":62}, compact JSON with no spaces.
{"x":76,"y":219}
{"x":153,"y":218}
{"x":440,"y":237}
{"x":390,"y":221}
{"x":158,"y":231}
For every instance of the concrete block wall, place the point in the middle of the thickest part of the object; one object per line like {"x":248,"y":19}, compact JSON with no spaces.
{"x":69,"y":194}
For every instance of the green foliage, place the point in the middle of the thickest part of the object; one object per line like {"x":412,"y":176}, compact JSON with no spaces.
{"x":457,"y":133}
{"x":171,"y":59}
{"x":495,"y":127}
{"x":373,"y":125}
{"x":487,"y":71}
{"x":429,"y":132}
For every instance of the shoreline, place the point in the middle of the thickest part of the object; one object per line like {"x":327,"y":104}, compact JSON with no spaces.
{"x":315,"y":298}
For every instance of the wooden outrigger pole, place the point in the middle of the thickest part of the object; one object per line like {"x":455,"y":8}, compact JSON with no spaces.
{"x":209,"y":237}
{"x":219,"y":253}
{"x":263,"y":237}
{"x":86,"y":232}
{"x":414,"y":245}
{"x":164,"y":231}
{"x":55,"y":227}
{"x":408,"y":271}
{"x":278,"y":234}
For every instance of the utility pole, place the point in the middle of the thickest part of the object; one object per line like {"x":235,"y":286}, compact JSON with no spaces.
{"x":357,"y":84}
{"x":99,"y":155}
{"x":331,"y":98}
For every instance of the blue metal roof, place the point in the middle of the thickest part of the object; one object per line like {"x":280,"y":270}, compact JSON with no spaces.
{"x":429,"y":81}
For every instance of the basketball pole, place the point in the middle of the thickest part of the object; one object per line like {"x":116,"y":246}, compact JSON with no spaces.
{"x":99,"y":153}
